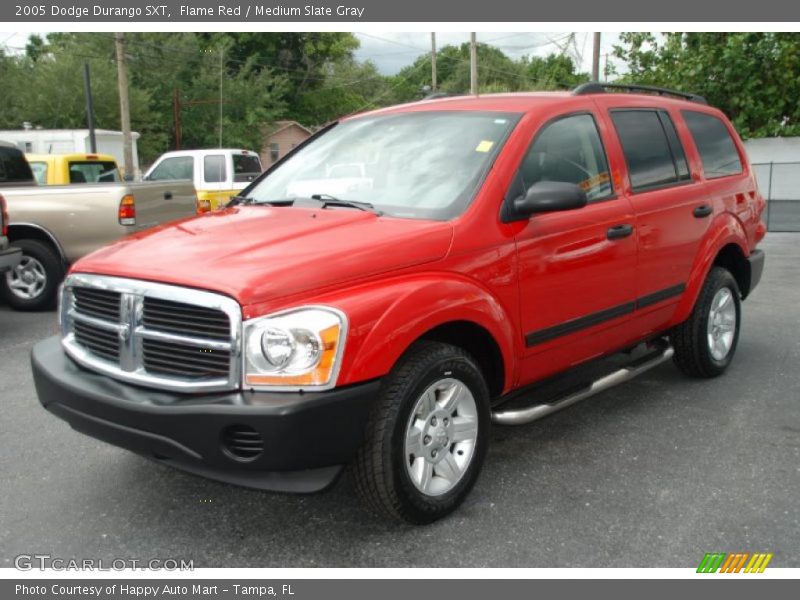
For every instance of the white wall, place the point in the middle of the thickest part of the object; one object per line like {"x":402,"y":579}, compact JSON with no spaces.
{"x":764,"y":150}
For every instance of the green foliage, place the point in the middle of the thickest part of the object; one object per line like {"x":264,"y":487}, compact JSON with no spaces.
{"x":554,"y":71}
{"x":309,"y":77}
{"x":753,"y":77}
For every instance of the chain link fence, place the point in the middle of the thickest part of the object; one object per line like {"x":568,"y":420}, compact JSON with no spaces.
{"x":779,"y":183}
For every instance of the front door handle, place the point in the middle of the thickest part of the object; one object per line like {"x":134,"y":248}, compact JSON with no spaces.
{"x":703,"y":211}
{"x":617,"y":232}
{"x":167,"y":195}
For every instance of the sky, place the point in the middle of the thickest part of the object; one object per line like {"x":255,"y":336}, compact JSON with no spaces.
{"x":391,"y":51}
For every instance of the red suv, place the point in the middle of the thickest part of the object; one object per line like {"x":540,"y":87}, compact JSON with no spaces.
{"x":408,"y":276}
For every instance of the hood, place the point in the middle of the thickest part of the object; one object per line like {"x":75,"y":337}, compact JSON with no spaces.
{"x":257,"y":253}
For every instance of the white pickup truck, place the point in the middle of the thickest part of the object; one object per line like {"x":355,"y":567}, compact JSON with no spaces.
{"x":55,"y":225}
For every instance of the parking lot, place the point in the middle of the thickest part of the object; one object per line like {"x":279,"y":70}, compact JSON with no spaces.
{"x":656,"y":472}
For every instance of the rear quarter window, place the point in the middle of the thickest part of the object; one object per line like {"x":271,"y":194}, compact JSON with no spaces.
{"x":714,"y":143}
{"x":39,"y":172}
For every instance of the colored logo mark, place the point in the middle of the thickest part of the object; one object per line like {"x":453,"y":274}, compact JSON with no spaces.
{"x":734,"y":562}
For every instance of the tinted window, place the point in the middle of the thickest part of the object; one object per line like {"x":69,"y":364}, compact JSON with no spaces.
{"x":717,"y":148}
{"x":177,"y":167}
{"x":214,"y":168}
{"x":246,"y":167}
{"x":652,"y":150}
{"x":13,"y":166}
{"x":93,"y":172}
{"x":569,"y":150}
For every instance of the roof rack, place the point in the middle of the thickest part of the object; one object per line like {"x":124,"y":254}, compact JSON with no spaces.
{"x":595,"y":87}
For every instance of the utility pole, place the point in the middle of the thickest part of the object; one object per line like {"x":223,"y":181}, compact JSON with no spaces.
{"x":124,"y":106}
{"x":596,"y":58}
{"x":473,"y":65}
{"x":87,"y":90}
{"x":433,"y":62}
{"x":176,"y":117}
{"x":177,"y":110}
{"x":221,"y":72}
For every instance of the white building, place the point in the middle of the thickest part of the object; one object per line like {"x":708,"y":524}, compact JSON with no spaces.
{"x":65,"y":141}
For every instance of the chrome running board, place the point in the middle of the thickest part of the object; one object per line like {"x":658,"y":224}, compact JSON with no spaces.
{"x":537,"y":411}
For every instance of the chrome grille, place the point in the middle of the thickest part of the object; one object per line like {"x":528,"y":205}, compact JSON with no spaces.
{"x":152,"y":334}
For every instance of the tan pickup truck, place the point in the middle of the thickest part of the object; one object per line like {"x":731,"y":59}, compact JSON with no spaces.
{"x":55,"y":225}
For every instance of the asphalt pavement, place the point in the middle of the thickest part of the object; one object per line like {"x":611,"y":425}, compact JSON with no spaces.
{"x":656,"y":472}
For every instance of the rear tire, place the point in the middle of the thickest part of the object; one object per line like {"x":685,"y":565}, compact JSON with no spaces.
{"x":426,"y":437}
{"x":33,"y":284}
{"x":706,"y":342}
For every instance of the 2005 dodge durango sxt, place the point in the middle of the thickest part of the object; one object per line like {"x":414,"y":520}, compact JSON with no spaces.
{"x":409,"y":276}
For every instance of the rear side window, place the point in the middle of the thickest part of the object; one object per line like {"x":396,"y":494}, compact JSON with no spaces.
{"x":652,"y":149}
{"x":214,"y":168}
{"x":569,"y":150}
{"x":176,"y":167}
{"x":13,"y":166}
{"x":93,"y":172}
{"x":715,"y":144}
{"x":39,"y":172}
{"x":246,"y":167}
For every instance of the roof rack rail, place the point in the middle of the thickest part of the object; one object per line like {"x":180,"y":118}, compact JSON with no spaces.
{"x":596,"y":87}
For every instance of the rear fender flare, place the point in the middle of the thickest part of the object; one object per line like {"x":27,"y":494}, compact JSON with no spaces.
{"x":724,"y":230}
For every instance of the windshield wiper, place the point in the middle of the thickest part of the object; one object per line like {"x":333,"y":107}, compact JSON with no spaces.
{"x":328,"y":200}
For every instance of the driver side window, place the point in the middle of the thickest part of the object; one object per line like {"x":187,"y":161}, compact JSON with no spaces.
{"x":569,"y":150}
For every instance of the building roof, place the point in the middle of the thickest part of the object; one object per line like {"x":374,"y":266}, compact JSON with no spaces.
{"x":279,"y":126}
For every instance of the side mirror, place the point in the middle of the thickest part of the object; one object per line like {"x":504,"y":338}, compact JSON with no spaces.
{"x":550,"y":196}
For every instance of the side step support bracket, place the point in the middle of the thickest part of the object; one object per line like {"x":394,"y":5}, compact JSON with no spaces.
{"x":534,"y":412}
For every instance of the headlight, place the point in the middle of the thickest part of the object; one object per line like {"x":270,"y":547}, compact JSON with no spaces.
{"x":300,"y":348}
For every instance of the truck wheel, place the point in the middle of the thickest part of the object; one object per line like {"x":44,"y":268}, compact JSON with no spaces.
{"x":426,"y":437}
{"x":706,"y":342}
{"x":33,"y":283}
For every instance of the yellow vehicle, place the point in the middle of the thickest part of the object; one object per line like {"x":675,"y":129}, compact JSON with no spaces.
{"x":217,"y":174}
{"x":61,"y":169}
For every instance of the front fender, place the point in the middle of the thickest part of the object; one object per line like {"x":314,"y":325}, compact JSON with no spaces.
{"x":386,"y":318}
{"x":725,"y":229}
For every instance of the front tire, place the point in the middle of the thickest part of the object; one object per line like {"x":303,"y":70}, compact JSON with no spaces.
{"x":427,"y":435}
{"x":706,"y":342}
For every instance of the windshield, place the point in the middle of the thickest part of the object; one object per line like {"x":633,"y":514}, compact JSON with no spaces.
{"x":423,"y":165}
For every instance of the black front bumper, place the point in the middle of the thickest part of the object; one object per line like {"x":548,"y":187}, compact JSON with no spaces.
{"x":307,"y":437}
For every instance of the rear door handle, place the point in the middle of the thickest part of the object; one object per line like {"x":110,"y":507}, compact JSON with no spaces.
{"x":703,"y":211}
{"x":617,"y":232}
{"x":167,"y":195}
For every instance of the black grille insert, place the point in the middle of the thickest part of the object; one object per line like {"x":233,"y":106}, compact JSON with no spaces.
{"x":100,"y":342}
{"x":185,"y":319}
{"x":181,"y":360}
{"x":242,"y":442}
{"x":101,"y":304}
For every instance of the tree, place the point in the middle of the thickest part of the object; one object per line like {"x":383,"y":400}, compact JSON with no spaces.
{"x":554,"y":71}
{"x":753,"y":77}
